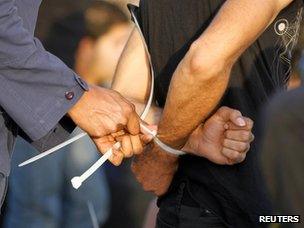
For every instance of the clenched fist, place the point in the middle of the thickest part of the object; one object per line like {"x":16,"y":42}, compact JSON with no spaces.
{"x":223,"y":139}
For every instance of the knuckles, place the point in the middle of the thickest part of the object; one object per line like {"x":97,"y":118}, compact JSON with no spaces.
{"x":113,"y":128}
{"x":123,"y":120}
{"x":242,"y":146}
{"x":98,"y":132}
{"x":233,"y":112}
{"x":252,"y":137}
{"x":138,"y":149}
{"x":235,"y":156}
{"x":223,"y":109}
{"x":236,"y":113}
{"x":238,"y":157}
{"x":245,"y":135}
{"x":249,"y":123}
{"x":128,"y":107}
{"x":116,"y":161}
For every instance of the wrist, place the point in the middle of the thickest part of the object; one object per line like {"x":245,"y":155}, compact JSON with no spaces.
{"x":163,"y":156}
{"x":171,"y":140}
{"x":82,"y":100}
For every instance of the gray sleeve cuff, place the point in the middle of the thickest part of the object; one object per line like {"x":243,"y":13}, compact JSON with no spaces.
{"x":40,"y":112}
{"x":37,"y":91}
{"x":48,"y":123}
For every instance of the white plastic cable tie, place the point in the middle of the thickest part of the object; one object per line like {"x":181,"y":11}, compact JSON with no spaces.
{"x":52,"y":150}
{"x":78,"y":180}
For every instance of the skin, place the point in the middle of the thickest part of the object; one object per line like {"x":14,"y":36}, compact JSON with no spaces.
{"x":103,"y":113}
{"x":220,"y":140}
{"x":96,"y":60}
{"x":226,"y":125}
{"x":201,"y":83}
{"x":106,"y":115}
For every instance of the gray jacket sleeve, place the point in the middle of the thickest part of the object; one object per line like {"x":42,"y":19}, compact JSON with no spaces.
{"x":36,"y":88}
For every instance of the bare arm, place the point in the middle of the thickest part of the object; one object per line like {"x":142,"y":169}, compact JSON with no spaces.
{"x":203,"y":74}
{"x":132,"y":73}
{"x":132,"y":78}
{"x":202,"y":78}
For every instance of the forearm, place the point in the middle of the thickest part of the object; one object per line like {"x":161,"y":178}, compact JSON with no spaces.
{"x":203,"y":75}
{"x":131,"y":78}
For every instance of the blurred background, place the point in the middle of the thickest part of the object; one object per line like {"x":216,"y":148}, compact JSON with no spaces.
{"x":89,"y":37}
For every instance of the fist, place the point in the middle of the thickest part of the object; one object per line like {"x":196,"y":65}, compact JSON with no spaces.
{"x":224,"y":138}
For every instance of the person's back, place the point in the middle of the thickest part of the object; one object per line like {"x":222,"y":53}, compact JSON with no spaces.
{"x":236,"y":193}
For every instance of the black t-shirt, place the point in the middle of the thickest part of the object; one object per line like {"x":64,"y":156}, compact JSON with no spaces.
{"x":169,"y":27}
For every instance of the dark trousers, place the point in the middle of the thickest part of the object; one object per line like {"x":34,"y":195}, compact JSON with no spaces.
{"x":178,"y":211}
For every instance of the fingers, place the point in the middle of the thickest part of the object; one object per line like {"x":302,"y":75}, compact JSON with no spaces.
{"x":126,"y":146}
{"x":233,"y":157}
{"x":146,"y":139}
{"x":105,"y":143}
{"x":133,"y":126}
{"x":237,"y":141}
{"x":118,"y":134}
{"x":136,"y":144}
{"x":236,"y":118}
{"x":237,"y":146}
{"x":133,"y":144}
{"x":233,"y":115}
{"x":116,"y":158}
{"x":248,"y":125}
{"x":130,"y":145}
{"x":146,"y":130}
{"x":128,"y":116}
{"x":239,"y":135}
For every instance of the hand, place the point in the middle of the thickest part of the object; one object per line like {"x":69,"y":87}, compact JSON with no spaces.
{"x":130,"y":144}
{"x":102,"y":113}
{"x":224,"y":138}
{"x":154,"y":169}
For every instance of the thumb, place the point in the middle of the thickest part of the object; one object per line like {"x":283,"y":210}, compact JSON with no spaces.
{"x":233,"y":115}
{"x":237,"y":118}
{"x":133,"y":124}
